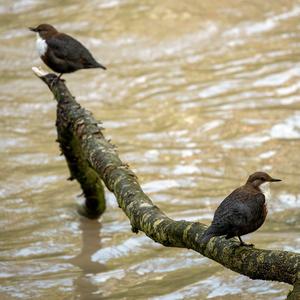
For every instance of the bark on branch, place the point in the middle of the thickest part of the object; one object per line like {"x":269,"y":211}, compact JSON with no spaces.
{"x":98,"y":159}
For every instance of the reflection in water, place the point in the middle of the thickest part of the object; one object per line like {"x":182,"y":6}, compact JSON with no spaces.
{"x":84,"y":287}
{"x":197,"y":96}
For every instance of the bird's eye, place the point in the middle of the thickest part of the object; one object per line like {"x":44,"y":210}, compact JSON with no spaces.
{"x":262,"y":179}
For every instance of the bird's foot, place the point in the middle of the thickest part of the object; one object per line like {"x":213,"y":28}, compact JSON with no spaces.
{"x":242,"y":243}
{"x":59,"y":77}
{"x":246,"y":245}
{"x":55,"y":80}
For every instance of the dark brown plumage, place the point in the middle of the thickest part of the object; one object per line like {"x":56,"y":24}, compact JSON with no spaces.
{"x":61,"y":52}
{"x":242,"y":212}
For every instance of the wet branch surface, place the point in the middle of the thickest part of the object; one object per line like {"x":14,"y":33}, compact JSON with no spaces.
{"x":97,"y":159}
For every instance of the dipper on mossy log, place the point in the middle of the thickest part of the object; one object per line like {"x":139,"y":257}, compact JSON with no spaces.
{"x":61,"y":52}
{"x":243,"y":211}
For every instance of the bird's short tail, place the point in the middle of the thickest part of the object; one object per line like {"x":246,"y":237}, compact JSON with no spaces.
{"x":101,"y":66}
{"x":94,"y":65}
{"x":208,"y":234}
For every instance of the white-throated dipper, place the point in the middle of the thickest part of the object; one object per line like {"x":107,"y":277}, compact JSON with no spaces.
{"x":243,"y":211}
{"x":61,"y":52}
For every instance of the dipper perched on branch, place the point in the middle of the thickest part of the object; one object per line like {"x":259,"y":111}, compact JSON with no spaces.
{"x":61,"y":52}
{"x":243,"y":211}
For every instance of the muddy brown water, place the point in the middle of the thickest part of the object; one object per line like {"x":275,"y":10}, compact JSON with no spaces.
{"x":198,"y":95}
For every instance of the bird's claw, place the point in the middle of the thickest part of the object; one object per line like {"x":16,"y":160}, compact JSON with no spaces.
{"x":246,"y":245}
{"x":55,"y":80}
{"x":242,"y":243}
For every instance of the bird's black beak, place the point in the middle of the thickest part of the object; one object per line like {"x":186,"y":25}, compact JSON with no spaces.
{"x":274,"y":180}
{"x":32,"y":29}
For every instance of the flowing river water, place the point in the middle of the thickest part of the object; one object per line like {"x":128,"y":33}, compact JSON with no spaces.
{"x":197,"y":95}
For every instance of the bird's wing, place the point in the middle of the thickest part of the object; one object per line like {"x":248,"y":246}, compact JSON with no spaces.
{"x":67,"y":48}
{"x":256,"y":206}
{"x":237,"y":209}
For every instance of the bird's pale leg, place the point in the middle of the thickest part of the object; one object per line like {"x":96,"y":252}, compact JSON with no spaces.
{"x":244,"y":244}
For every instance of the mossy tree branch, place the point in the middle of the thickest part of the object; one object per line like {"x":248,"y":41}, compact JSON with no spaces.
{"x":101,"y":161}
{"x":295,"y":293}
{"x":69,"y":136}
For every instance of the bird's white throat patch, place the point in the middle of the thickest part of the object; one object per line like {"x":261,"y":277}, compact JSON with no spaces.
{"x":265,"y":189}
{"x":41,"y":45}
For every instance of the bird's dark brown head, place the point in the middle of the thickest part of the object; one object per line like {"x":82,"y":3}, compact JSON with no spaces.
{"x":258,"y":178}
{"x":44,"y":30}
